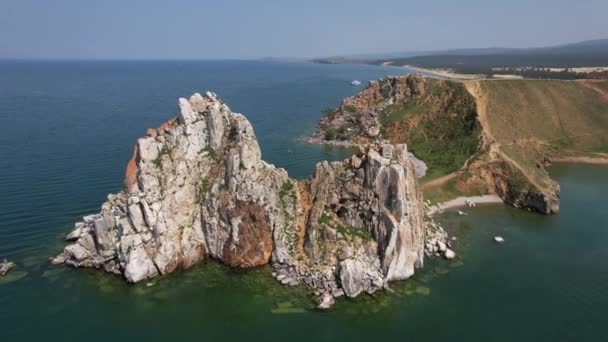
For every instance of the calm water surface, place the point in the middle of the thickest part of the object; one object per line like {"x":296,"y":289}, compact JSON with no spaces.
{"x":69,"y":127}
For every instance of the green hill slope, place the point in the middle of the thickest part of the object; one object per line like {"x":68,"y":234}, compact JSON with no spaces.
{"x":480,"y":136}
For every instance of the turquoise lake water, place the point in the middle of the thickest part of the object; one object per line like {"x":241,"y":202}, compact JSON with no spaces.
{"x":69,"y":128}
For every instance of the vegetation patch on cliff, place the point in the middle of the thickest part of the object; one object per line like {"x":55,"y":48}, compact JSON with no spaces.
{"x":361,"y":233}
{"x":440,"y":126}
{"x":480,"y":136}
{"x":436,"y":118}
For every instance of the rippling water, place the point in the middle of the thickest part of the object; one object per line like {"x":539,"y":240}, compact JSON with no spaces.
{"x":69,"y":128}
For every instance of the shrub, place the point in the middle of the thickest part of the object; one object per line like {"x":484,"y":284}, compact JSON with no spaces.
{"x":330,"y":134}
{"x":324,"y":219}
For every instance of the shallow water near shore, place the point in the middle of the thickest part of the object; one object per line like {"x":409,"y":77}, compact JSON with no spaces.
{"x":69,"y":129}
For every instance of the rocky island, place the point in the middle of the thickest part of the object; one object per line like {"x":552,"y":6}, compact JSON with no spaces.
{"x":478,"y":137}
{"x":197,"y":188}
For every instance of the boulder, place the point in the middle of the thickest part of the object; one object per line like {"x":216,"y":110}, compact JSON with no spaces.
{"x":5,"y":266}
{"x":356,"y":162}
{"x":441,"y":246}
{"x":373,"y":131}
{"x":76,"y":233}
{"x":326,"y":301}
{"x":449,"y":254}
{"x":352,"y":277}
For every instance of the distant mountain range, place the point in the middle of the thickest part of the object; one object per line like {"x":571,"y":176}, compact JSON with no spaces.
{"x":528,"y":62}
{"x":585,"y":47}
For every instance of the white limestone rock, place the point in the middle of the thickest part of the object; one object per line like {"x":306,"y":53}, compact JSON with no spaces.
{"x":197,"y":187}
{"x":441,"y":246}
{"x":326,"y":301}
{"x":6,"y":265}
{"x":449,"y":254}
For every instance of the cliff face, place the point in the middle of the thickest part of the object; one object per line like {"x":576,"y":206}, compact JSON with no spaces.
{"x":359,"y":117}
{"x":193,"y":187}
{"x":443,"y":122}
{"x":196,"y":187}
{"x":365,"y":223}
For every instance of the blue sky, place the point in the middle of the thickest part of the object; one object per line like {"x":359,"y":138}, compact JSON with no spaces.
{"x":188,"y":29}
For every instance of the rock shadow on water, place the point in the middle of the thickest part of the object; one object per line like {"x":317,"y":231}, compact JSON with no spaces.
{"x":287,"y":307}
{"x":207,"y":282}
{"x":54,"y":274}
{"x":14,"y":275}
{"x":423,"y":290}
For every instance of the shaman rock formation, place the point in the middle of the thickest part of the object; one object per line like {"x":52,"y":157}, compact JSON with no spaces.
{"x":196,"y":188}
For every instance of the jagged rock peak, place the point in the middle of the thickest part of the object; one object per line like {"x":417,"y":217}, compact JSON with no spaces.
{"x":357,"y":119}
{"x":196,"y":187}
{"x":188,"y":183}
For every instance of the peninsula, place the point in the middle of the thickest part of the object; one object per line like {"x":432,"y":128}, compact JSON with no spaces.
{"x":481,"y":136}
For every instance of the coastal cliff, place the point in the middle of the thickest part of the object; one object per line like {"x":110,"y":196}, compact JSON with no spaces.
{"x":197,"y":188}
{"x":442,"y":121}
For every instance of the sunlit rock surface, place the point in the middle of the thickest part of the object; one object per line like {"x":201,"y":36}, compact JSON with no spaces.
{"x":196,"y":188}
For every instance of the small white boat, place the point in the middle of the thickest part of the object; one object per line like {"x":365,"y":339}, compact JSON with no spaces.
{"x":356,"y":82}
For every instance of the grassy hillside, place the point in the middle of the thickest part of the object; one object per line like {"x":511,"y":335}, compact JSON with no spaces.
{"x":481,"y":136}
{"x":558,"y":117}
{"x":440,"y":126}
{"x":525,"y":124}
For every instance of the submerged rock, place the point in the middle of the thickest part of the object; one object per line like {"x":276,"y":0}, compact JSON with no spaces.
{"x":326,"y":301}
{"x":5,"y":266}
{"x":449,"y":254}
{"x":196,"y":188}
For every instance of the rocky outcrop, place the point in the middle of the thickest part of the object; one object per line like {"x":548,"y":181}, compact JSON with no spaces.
{"x":509,"y":181}
{"x":442,"y":121}
{"x":358,"y":118}
{"x":196,"y":188}
{"x":365,"y":224}
{"x":5,"y":266}
{"x":545,"y":202}
{"x":542,"y":200}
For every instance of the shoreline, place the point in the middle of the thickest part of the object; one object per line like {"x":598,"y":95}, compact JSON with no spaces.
{"x":313,"y":139}
{"x":455,"y":76}
{"x":461,"y":202}
{"x":419,"y":164}
{"x":443,"y":73}
{"x":582,"y":160}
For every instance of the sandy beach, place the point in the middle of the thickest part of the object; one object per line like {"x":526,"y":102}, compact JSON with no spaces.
{"x":443,"y":73}
{"x":449,"y":74}
{"x":582,"y":160}
{"x":461,"y":202}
